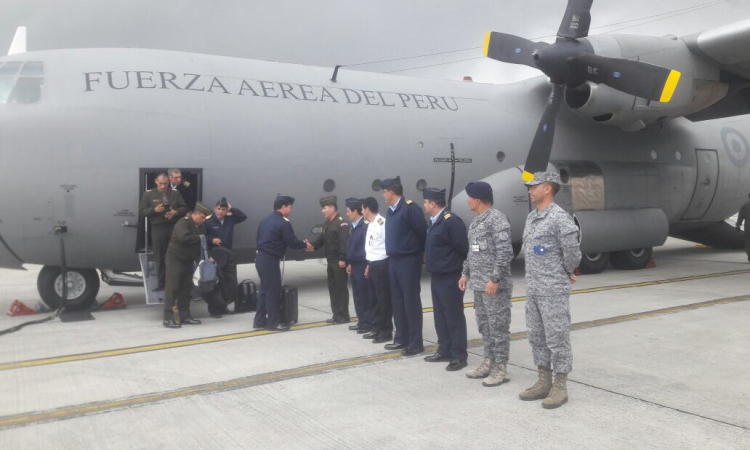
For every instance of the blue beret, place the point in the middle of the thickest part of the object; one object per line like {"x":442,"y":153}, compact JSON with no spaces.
{"x":285,"y":199}
{"x":388,"y":182}
{"x":479,"y":190}
{"x":353,"y":202}
{"x":434,"y":194}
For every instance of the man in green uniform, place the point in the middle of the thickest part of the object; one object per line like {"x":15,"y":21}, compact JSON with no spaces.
{"x":183,"y":252}
{"x":333,"y":240}
{"x":163,"y":207}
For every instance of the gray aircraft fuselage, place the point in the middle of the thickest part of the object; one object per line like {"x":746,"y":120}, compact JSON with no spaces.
{"x":259,"y":128}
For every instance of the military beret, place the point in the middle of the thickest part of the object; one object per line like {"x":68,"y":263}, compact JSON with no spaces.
{"x":285,"y":199}
{"x":353,"y":203}
{"x":433,"y":194}
{"x":388,"y":182}
{"x":328,"y":201}
{"x":223,"y":203}
{"x":201,"y":208}
{"x":479,"y":190}
{"x":544,"y":177}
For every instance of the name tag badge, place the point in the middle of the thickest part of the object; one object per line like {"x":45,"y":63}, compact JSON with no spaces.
{"x":475,"y":247}
{"x":540,"y":250}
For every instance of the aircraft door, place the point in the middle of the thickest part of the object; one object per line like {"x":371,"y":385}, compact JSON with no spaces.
{"x":707,"y":166}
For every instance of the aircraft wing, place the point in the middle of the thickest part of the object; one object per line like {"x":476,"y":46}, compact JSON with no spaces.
{"x":729,"y":48}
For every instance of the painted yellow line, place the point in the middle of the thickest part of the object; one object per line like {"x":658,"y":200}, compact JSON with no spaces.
{"x":71,"y":412}
{"x":249,"y":334}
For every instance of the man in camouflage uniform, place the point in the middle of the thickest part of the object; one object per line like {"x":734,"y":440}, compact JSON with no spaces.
{"x":552,"y":253}
{"x":487,"y":272}
{"x":333,"y":240}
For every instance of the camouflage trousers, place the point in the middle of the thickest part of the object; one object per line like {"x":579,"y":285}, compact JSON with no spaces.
{"x":493,"y":321}
{"x":548,"y":324}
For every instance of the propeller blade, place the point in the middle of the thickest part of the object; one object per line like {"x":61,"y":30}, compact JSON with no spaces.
{"x":541,"y":146}
{"x":511,"y":49}
{"x":577,"y":19}
{"x":632,"y":77}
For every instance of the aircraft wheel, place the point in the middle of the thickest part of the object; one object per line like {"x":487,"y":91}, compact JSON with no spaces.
{"x":633,"y":259}
{"x":594,"y":263}
{"x":83,"y":285}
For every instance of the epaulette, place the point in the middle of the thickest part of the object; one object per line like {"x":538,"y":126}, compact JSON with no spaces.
{"x":286,"y":219}
{"x":186,"y":183}
{"x":209,"y":216}
{"x":149,"y":190}
{"x":447,"y":216}
{"x":409,"y":202}
{"x":367,"y":222}
{"x":344,"y":224}
{"x":381,"y":221}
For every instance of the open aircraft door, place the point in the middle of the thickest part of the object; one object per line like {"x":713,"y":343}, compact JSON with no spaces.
{"x":706,"y":180}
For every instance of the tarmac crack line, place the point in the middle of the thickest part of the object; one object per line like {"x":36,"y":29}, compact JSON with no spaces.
{"x":105,"y":406}
{"x":228,"y":337}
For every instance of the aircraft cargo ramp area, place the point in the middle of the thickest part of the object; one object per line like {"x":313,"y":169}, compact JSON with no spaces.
{"x":661,"y":358}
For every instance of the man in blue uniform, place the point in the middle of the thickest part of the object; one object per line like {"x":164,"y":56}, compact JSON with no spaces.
{"x":220,"y":225}
{"x":445,"y":252}
{"x":275,"y":234}
{"x":357,"y":263}
{"x":405,"y":233}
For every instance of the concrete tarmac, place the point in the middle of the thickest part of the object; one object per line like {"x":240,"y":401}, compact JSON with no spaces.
{"x":660,"y":361}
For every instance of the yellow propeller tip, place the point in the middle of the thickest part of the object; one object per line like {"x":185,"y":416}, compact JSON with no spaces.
{"x":669,"y":87}
{"x":527,"y":176}
{"x":487,"y":43}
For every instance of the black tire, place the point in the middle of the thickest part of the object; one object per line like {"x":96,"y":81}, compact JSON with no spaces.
{"x":86,"y":286}
{"x":633,"y":259}
{"x":594,"y":263}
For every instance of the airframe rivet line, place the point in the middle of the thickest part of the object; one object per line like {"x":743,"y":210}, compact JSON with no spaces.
{"x":249,"y":334}
{"x":71,"y":412}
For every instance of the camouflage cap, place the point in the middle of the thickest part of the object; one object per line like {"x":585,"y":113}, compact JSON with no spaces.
{"x":544,"y":177}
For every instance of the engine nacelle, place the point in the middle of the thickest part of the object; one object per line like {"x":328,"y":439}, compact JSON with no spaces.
{"x":699,"y":85}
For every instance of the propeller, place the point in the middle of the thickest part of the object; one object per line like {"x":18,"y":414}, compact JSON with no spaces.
{"x":570,"y":63}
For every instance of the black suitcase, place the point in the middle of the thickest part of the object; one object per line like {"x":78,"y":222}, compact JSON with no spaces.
{"x":289,"y":311}
{"x":247,"y":300}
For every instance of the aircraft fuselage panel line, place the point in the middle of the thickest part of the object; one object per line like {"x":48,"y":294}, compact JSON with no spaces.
{"x":71,"y":412}
{"x":306,"y":326}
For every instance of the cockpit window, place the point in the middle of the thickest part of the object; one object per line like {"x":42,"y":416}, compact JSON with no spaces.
{"x":21,"y":82}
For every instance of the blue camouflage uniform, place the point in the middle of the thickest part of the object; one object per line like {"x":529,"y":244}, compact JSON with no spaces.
{"x":552,"y":253}
{"x":446,"y":248}
{"x":275,"y":234}
{"x":405,"y":233}
{"x":355,"y":255}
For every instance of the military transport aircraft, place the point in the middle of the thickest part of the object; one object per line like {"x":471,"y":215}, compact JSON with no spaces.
{"x":647,"y":133}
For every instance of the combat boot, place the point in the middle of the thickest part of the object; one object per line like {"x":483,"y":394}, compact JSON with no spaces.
{"x":482,"y":371}
{"x":558,"y":396}
{"x":542,"y":387}
{"x":497,"y":376}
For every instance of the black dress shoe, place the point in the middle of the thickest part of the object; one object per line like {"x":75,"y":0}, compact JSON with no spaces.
{"x":158,"y":288}
{"x":437,"y":357}
{"x":364,"y":331}
{"x":331,"y":320}
{"x":412,"y":351}
{"x":347,"y":320}
{"x":394,"y":346}
{"x":354,"y":327}
{"x":170,"y":323}
{"x":280,"y":327}
{"x":258,"y":326}
{"x":190,"y":321}
{"x":216,"y":316}
{"x":371,"y":335}
{"x":381,"y":339}
{"x":456,"y":364}
{"x":227,"y":312}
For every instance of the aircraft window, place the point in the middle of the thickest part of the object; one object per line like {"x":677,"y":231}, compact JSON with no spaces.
{"x":500,"y":156}
{"x":6,"y":84}
{"x":421,"y":185}
{"x":33,"y":69}
{"x":564,"y":176}
{"x":28,"y":90}
{"x":329,"y":185}
{"x":10,"y":69}
{"x":376,"y":185}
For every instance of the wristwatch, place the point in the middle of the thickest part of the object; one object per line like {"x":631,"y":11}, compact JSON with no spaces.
{"x":495,"y":279}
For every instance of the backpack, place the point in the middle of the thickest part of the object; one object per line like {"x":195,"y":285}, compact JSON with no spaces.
{"x":205,"y":276}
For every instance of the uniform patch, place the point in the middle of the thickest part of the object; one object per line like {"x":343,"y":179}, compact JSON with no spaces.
{"x":367,"y":222}
{"x":447,"y":216}
{"x":540,"y":250}
{"x":381,"y":221}
{"x":286,"y":219}
{"x":344,"y":224}
{"x":409,"y":202}
{"x":186,"y":183}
